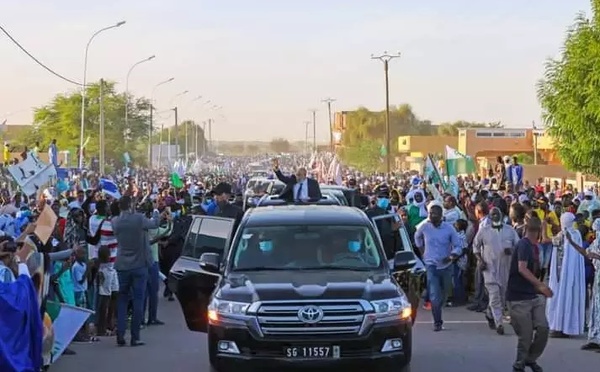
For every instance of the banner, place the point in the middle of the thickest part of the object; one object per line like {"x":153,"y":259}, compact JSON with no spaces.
{"x":66,"y":322}
{"x":31,"y":174}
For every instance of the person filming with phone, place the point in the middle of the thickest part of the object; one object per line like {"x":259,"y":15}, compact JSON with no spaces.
{"x":298,"y":186}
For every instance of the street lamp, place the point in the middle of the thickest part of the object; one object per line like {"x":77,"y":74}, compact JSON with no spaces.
{"x":151,"y":118}
{"x":127,"y":88}
{"x":84,"y":85}
{"x":386,"y":58}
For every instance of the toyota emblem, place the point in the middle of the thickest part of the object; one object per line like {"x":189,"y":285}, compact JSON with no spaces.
{"x":310,"y":314}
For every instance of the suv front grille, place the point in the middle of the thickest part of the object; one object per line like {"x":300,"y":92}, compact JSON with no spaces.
{"x":282,"y":318}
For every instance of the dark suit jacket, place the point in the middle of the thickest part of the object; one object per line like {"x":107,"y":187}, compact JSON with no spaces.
{"x":314,"y":191}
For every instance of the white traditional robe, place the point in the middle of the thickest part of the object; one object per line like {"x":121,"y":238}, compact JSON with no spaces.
{"x":566,"y":309}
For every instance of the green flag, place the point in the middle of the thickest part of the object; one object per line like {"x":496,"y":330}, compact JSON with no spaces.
{"x":176,"y":181}
{"x":383,"y":150}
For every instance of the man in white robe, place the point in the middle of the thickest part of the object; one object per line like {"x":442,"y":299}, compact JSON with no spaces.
{"x":566,"y":310}
{"x":493,"y":246}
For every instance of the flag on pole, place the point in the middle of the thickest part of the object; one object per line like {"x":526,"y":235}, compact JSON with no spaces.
{"x":176,"y":180}
{"x":457,"y":163}
{"x":110,"y":188}
{"x":66,"y":322}
{"x":432,"y":173}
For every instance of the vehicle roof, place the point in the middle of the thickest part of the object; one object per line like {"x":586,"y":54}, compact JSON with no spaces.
{"x":305,"y":214}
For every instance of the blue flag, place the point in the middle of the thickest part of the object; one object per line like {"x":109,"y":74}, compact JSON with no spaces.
{"x":110,"y":188}
{"x":21,"y":329}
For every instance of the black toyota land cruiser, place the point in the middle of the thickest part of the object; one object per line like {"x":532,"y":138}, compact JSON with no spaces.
{"x":295,"y":286}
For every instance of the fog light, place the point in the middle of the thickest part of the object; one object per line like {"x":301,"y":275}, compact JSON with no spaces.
{"x":228,"y":347}
{"x":394,"y":344}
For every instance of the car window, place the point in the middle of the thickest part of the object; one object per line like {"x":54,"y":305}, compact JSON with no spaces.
{"x":207,"y":236}
{"x":301,"y":247}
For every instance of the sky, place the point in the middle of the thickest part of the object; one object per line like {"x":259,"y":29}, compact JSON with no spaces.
{"x":268,"y":62}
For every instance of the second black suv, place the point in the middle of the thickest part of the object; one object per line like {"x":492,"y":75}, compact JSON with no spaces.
{"x":295,"y":286}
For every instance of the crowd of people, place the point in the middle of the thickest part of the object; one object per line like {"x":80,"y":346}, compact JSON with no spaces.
{"x":527,"y":253}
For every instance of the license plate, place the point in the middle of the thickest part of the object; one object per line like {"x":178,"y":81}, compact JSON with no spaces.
{"x":312,"y":352}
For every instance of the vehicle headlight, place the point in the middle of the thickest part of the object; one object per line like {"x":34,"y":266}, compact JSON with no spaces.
{"x":392,"y":307}
{"x":221,"y":307}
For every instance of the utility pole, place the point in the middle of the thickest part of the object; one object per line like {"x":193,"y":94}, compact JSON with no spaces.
{"x":314,"y":122}
{"x":329,"y":101}
{"x":386,"y":58}
{"x":102,"y":121}
{"x":306,"y":145}
{"x":160,"y":145}
{"x":535,"y":144}
{"x":210,"y":144}
{"x":176,"y":134}
{"x":196,"y":141}
{"x":185,"y":127}
{"x":204,"y":142}
{"x":150,"y":130}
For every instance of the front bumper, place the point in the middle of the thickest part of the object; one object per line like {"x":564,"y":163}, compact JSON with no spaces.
{"x":268,"y":352}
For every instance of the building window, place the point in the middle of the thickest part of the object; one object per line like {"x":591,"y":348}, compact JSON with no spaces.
{"x":517,"y":134}
{"x":498,"y":134}
{"x":483,"y":134}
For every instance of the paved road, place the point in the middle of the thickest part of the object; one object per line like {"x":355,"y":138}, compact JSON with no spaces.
{"x":466,"y":345}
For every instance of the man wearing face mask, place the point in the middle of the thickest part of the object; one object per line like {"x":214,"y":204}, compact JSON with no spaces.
{"x":440,"y":245}
{"x":386,"y":227}
{"x":224,"y":208}
{"x":493,"y":246}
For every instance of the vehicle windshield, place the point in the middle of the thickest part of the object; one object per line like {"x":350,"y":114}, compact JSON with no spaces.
{"x":306,"y":247}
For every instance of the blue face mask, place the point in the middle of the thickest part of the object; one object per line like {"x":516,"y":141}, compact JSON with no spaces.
{"x":266,"y":245}
{"x":354,"y":246}
{"x":383,"y":203}
{"x":175,"y":214}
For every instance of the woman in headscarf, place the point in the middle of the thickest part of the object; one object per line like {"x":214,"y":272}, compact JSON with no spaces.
{"x":593,"y":253}
{"x":566,"y":310}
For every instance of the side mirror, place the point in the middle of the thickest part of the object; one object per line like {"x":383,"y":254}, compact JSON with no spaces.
{"x":404,"y":260}
{"x":210,"y":262}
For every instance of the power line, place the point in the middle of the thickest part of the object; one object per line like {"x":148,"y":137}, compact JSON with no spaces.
{"x":37,"y":60}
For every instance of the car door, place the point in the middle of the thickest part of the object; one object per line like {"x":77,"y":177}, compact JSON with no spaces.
{"x":192,"y":285}
{"x":411,"y":280}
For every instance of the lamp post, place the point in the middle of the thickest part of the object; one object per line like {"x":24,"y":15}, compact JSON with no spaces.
{"x":386,"y":58}
{"x":151,"y":129}
{"x":84,"y":85}
{"x":127,"y":88}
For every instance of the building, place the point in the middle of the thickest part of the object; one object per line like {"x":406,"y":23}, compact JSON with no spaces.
{"x":412,"y":149}
{"x":486,"y":144}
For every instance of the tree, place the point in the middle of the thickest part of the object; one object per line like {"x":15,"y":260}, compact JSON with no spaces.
{"x":61,"y":119}
{"x":363,"y":124}
{"x":569,"y":94}
{"x":279,"y":145}
{"x":195,"y":134}
{"x":365,"y":156}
